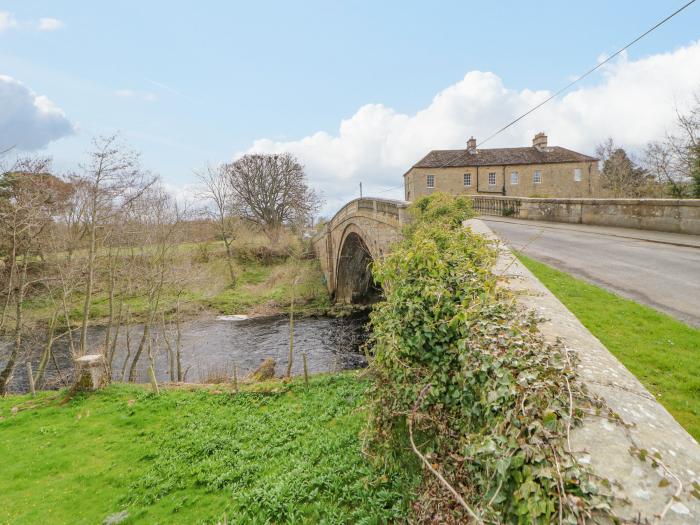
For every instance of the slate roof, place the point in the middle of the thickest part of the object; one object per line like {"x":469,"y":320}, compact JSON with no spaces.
{"x":458,"y":158}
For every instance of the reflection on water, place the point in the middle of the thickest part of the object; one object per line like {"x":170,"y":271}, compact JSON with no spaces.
{"x":211,"y":347}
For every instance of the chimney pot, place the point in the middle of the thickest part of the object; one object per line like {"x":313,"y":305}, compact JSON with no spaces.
{"x":540,"y":140}
{"x":471,"y":145}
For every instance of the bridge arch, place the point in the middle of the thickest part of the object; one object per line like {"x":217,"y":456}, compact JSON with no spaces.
{"x":361,"y":232}
{"x":354,"y":282}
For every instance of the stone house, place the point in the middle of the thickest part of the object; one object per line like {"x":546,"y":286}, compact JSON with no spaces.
{"x":536,"y":171}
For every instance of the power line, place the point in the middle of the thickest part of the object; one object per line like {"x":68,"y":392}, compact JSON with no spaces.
{"x":578,"y":79}
{"x":565,"y":88}
{"x":597,"y":66}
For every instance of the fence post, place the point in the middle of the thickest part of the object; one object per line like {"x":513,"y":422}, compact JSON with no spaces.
{"x":306,"y":369}
{"x":30,"y":377}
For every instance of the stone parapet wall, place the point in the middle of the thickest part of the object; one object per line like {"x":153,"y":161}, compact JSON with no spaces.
{"x":660,"y":489}
{"x":667,"y":215}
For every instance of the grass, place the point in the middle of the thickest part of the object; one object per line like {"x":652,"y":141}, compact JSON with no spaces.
{"x":260,"y":289}
{"x":267,"y":289}
{"x":276,"y":453}
{"x":662,"y":352}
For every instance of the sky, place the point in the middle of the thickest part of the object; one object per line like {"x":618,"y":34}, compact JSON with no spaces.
{"x":357,"y":90}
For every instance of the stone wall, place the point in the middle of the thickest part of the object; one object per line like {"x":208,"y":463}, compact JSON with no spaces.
{"x":655,"y":491}
{"x":668,"y":215}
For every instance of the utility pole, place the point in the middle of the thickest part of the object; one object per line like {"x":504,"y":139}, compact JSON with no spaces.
{"x":360,"y":190}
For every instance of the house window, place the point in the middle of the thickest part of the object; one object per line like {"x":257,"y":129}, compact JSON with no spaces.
{"x":537,"y":177}
{"x":577,"y":174}
{"x":467,"y":179}
{"x":492,"y":178}
{"x":431,"y":181}
{"x":513,"y":177}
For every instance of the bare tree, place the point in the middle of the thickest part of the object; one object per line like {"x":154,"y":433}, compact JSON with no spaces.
{"x":162,"y":220}
{"x":271,"y":191}
{"x":111,"y":179}
{"x":29,"y":196}
{"x":675,"y":161}
{"x":217,"y":190}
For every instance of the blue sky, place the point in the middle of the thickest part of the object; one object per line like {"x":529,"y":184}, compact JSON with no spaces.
{"x":189,"y":83}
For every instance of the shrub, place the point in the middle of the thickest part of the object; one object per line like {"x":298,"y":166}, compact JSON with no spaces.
{"x":489,"y":399}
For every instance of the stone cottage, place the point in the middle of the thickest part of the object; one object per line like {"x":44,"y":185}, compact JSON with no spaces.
{"x":536,"y":171}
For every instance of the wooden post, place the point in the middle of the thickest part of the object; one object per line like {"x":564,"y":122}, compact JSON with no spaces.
{"x":30,"y":377}
{"x":306,"y":369}
{"x":154,"y":382}
{"x":290,"y":358}
{"x":235,"y":377}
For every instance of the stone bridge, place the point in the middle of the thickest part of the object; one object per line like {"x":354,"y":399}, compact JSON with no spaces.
{"x":358,"y":234}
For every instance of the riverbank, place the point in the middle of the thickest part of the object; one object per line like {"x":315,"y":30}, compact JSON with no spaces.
{"x":266,"y":282}
{"x":275,"y":452}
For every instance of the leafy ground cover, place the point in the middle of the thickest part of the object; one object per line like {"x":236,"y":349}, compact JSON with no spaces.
{"x":662,"y":352}
{"x":273,"y":453}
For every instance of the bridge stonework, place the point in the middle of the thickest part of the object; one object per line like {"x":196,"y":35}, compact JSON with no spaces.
{"x":361,"y":232}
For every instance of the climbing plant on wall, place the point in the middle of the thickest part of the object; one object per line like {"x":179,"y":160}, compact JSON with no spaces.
{"x":464,"y":375}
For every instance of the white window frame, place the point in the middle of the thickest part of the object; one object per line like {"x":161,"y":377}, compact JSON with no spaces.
{"x":578,"y":175}
{"x":492,"y":177}
{"x":430,"y":181}
{"x":467,"y":180}
{"x":537,"y":177}
{"x":514,"y":178}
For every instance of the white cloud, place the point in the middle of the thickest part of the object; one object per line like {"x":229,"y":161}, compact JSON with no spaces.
{"x":29,"y":121}
{"x":633,"y":101}
{"x":141,"y":95}
{"x":49,"y":24}
{"x":7,"y":21}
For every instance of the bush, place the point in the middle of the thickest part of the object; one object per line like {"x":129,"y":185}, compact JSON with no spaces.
{"x":490,"y":397}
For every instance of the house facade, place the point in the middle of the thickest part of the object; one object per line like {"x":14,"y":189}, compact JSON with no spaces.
{"x":536,"y":171}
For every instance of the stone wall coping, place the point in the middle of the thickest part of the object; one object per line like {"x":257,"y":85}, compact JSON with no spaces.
{"x":603,"y":201}
{"x":603,"y":444}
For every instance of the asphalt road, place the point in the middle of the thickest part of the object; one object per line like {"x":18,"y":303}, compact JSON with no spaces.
{"x":663,"y":276}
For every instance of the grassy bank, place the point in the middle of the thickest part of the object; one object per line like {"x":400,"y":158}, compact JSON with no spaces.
{"x":264,"y":285}
{"x":274,"y":453}
{"x":662,"y":352}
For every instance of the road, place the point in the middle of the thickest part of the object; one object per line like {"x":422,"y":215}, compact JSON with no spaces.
{"x":648,"y":267}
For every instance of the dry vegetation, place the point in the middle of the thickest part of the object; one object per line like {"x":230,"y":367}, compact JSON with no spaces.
{"x":107,"y":245}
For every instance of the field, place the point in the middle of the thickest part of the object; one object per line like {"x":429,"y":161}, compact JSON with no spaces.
{"x":274,"y":452}
{"x":662,"y":352}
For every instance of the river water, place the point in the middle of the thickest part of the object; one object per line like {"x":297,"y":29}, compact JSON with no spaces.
{"x":210,"y":347}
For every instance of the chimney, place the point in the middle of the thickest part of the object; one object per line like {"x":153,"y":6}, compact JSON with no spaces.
{"x":540,"y":140}
{"x":471,"y":145}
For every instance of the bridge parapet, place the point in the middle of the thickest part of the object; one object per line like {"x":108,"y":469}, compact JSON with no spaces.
{"x":668,"y":215}
{"x":361,"y":231}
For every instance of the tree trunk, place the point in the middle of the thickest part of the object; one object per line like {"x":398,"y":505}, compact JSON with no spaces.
{"x":139,"y":351}
{"x":7,"y":372}
{"x":89,"y":283}
{"x":229,"y":260}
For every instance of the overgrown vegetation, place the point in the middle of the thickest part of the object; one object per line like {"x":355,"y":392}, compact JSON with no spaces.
{"x":659,"y":350}
{"x":483,"y":398}
{"x":273,"y":453}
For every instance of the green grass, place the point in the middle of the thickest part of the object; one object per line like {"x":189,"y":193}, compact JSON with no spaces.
{"x":279,"y":453}
{"x":662,"y":352}
{"x":269,"y":289}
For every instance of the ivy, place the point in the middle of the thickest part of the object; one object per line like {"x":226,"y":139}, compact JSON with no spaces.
{"x":490,"y":402}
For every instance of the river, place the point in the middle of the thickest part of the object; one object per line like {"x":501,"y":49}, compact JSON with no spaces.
{"x":211,"y":347}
